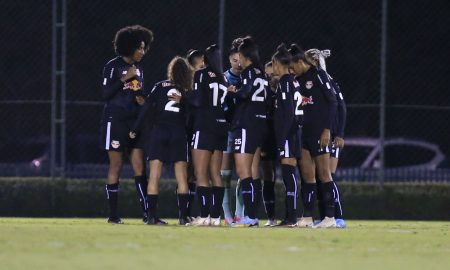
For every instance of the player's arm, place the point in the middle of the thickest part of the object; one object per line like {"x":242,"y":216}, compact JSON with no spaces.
{"x":112,"y":83}
{"x":149,"y":102}
{"x":341,"y":110}
{"x":245,"y":90}
{"x":194,"y":96}
{"x":329,"y":93}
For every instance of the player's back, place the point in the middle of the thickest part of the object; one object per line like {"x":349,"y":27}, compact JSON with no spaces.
{"x":166,"y":111}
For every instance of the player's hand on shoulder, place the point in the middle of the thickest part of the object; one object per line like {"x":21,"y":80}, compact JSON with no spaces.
{"x":175,"y":97}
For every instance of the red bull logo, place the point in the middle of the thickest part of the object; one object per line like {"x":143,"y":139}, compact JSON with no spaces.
{"x":307,"y":100}
{"x":133,"y":85}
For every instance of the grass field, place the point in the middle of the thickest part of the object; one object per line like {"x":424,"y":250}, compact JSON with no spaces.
{"x":31,"y":243}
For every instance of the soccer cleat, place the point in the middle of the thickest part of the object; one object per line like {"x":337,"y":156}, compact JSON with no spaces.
{"x":237,"y":219}
{"x":327,"y":222}
{"x":305,"y":222}
{"x":114,"y":220}
{"x":144,"y":217}
{"x":215,"y":222}
{"x":155,"y":221}
{"x":340,"y":223}
{"x":286,"y":224}
{"x":228,"y":221}
{"x":246,"y":222}
{"x":200,"y":221}
{"x":270,"y":223}
{"x":184,"y":221}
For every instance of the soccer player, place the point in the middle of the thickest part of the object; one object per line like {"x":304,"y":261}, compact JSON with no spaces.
{"x":167,"y":141}
{"x":197,"y":61}
{"x":319,"y":105}
{"x":249,"y":127}
{"x":210,"y":136}
{"x":269,"y":149}
{"x":337,"y":137}
{"x":123,"y":81}
{"x":233,"y":78}
{"x":286,"y":125}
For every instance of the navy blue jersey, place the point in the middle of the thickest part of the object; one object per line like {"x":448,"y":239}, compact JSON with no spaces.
{"x":338,"y":124}
{"x":251,"y":99}
{"x":160,"y":110}
{"x":318,"y":101}
{"x":284,"y":120}
{"x":207,"y":98}
{"x":120,"y":97}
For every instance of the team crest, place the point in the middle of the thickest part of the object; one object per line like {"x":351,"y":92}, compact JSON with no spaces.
{"x":115,"y":144}
{"x":307,"y":100}
{"x":309,"y":84}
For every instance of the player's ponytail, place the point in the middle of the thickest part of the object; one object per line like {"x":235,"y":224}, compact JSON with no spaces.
{"x":282,"y":55}
{"x":213,"y":60}
{"x":180,"y":73}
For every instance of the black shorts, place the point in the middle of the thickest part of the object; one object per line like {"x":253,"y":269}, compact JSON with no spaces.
{"x":292,"y":146}
{"x":312,"y":144}
{"x":167,"y":144}
{"x":248,"y":140}
{"x":335,"y":151}
{"x":269,"y":149}
{"x":211,"y":141}
{"x":115,"y":135}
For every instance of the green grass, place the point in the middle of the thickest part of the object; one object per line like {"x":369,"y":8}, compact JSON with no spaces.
{"x":31,"y":243}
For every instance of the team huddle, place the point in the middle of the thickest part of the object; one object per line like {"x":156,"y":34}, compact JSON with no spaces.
{"x":288,"y":114}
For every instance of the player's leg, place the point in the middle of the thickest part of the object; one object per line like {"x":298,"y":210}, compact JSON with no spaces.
{"x":268,"y":169}
{"x":181,"y":176}
{"x":217,"y":190}
{"x":256,"y":175}
{"x":201,"y":159}
{"x":140,"y":181}
{"x":308,"y":190}
{"x":328,"y":194}
{"x":112,"y":184}
{"x":226,"y":172}
{"x":152,"y":193}
{"x":338,"y":214}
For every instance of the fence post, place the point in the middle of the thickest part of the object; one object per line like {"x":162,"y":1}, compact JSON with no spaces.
{"x":383,"y":60}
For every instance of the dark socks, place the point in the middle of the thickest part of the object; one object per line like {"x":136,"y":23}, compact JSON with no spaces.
{"x":216,"y":201}
{"x":248,"y":194}
{"x":192,"y":188}
{"x":141,"y":188}
{"x":112,"y":196}
{"x":269,"y":198}
{"x":328,"y":198}
{"x":308,"y":197}
{"x":290,"y":183}
{"x":204,"y":199}
{"x":183,"y":201}
{"x":258,"y":194}
{"x":152,"y":203}
{"x":320,"y":203}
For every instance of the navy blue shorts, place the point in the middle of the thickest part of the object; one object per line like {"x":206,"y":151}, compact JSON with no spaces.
{"x":335,"y":151}
{"x":312,"y":144}
{"x":167,"y":144}
{"x":211,"y":141}
{"x":115,"y":135}
{"x":291,"y":147}
{"x":248,"y":140}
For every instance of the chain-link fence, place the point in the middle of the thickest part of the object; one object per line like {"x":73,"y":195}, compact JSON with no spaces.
{"x":417,"y":105}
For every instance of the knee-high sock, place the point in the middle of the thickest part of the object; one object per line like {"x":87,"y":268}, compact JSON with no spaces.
{"x":216,"y":201}
{"x":152,"y":201}
{"x":192,"y":190}
{"x":258,"y":194}
{"x":320,"y":202}
{"x":248,"y":194}
{"x":112,"y":196}
{"x":239,"y":212}
{"x":329,"y":198}
{"x":226,"y":179}
{"x":183,"y":202}
{"x":269,"y":198}
{"x":140,"y":183}
{"x":337,"y":201}
{"x":308,"y":197}
{"x":290,"y":182}
{"x":204,"y":200}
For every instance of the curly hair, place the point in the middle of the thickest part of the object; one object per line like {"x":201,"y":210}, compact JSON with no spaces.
{"x":179,"y":73}
{"x":128,"y":39}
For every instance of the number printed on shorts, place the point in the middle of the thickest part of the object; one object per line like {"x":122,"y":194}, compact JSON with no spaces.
{"x":238,"y":141}
{"x":172,"y":106}
{"x":261,"y":84}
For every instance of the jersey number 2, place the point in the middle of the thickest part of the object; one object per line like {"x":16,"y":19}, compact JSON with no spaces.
{"x":298,"y":98}
{"x":171,"y":106}
{"x":262,"y":84}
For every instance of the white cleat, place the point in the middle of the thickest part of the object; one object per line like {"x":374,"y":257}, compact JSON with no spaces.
{"x":327,"y":222}
{"x":270,"y":223}
{"x":305,"y":222}
{"x":215,"y":222}
{"x":200,"y":221}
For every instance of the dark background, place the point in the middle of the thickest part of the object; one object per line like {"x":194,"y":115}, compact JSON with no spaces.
{"x":418,"y":100}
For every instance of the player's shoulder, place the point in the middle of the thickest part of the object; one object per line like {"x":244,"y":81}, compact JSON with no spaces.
{"x":115,"y":62}
{"x":161,"y":85}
